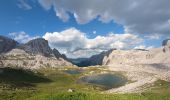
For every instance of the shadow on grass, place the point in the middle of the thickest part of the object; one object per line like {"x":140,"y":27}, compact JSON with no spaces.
{"x":21,"y":77}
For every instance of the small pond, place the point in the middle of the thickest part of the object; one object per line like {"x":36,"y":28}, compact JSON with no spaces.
{"x":107,"y":80}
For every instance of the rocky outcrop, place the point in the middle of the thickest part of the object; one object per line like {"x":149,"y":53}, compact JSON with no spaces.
{"x":166,"y":45}
{"x":7,"y":44}
{"x":58,"y":55}
{"x":166,"y":42}
{"x":37,"y":46}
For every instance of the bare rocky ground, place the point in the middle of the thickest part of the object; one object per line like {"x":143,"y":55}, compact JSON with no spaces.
{"x":19,"y":58}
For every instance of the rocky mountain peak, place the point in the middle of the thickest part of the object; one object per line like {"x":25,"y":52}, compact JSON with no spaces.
{"x":34,"y":54}
{"x":7,"y":44}
{"x":37,"y":46}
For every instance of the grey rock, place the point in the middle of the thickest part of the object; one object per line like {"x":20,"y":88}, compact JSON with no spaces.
{"x":7,"y":44}
{"x":32,"y":55}
{"x":166,"y":45}
{"x":37,"y":46}
{"x":58,"y":55}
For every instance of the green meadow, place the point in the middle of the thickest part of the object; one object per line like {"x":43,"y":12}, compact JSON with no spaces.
{"x":53,"y":84}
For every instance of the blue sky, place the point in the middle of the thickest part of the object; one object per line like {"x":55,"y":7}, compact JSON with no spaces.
{"x":87,"y":27}
{"x":38,"y":21}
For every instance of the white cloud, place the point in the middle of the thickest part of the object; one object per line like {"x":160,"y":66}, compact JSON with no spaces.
{"x":67,"y":40}
{"x":137,"y":16}
{"x":154,"y":36}
{"x":143,"y":47}
{"x":24,"y":5}
{"x":72,"y":42}
{"x":22,"y":37}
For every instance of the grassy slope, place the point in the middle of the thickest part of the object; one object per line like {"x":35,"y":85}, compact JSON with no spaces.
{"x":53,"y":85}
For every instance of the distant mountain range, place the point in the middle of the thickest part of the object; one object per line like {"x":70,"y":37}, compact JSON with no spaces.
{"x":93,"y":60}
{"x":37,"y":54}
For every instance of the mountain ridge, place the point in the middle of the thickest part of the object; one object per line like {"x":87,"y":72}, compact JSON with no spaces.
{"x":35,"y":53}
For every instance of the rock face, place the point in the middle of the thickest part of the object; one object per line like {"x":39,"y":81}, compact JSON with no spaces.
{"x":130,"y":57}
{"x":34,"y":54}
{"x":37,"y":46}
{"x":58,"y":55}
{"x":7,"y":44}
{"x":127,"y":57}
{"x":166,"y":45}
{"x":166,"y":42}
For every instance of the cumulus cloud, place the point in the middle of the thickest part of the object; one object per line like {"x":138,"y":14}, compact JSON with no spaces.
{"x":75,"y":43}
{"x":67,"y":40}
{"x":137,"y":16}
{"x":24,"y":5}
{"x":22,"y":37}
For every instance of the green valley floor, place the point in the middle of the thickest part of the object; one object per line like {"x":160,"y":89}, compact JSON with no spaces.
{"x":55,"y":84}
